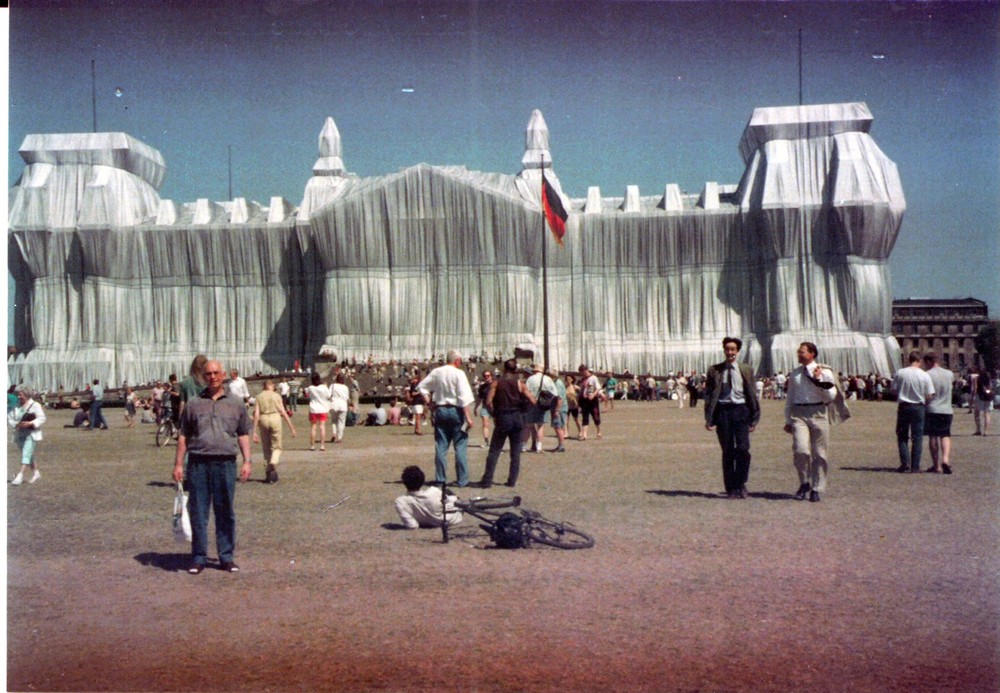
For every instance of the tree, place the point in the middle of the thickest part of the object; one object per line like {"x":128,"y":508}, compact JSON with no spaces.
{"x":988,"y":345}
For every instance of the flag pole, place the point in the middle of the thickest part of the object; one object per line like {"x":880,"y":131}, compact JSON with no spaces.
{"x":545,"y":275}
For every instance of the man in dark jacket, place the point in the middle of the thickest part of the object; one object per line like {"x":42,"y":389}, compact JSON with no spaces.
{"x":732,"y":411}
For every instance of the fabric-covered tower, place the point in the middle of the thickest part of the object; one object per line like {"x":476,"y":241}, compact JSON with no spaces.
{"x":825,"y":206}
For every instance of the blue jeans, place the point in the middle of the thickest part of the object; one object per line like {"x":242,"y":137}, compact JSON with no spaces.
{"x":96,"y":415}
{"x":910,"y":428}
{"x":213,"y":482}
{"x":448,"y":422}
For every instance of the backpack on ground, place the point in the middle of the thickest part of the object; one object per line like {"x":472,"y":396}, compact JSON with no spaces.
{"x":508,"y":532}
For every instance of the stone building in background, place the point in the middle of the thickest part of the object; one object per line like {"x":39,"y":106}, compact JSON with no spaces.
{"x":946,"y":326}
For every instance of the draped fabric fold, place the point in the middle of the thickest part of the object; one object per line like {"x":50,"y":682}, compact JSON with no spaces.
{"x":112,"y":282}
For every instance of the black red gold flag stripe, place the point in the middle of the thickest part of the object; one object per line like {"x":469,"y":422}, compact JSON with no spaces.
{"x":555,"y":213}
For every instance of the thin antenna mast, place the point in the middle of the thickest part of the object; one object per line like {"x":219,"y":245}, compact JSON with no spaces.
{"x":800,"y":67}
{"x":93,"y":91}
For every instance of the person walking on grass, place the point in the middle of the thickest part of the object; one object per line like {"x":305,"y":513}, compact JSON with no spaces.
{"x":319,"y":407}
{"x":590,"y":401}
{"x":268,"y":412}
{"x":914,"y":389}
{"x":732,"y":411}
{"x":814,"y":401}
{"x":27,"y":419}
{"x":215,"y":427}
{"x":937,"y":424}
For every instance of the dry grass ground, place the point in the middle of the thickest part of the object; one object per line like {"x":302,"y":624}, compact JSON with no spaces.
{"x":889,"y":584}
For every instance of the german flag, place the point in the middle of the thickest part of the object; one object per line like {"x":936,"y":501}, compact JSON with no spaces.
{"x":555,"y":214}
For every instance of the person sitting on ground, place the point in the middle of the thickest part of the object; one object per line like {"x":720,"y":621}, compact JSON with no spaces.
{"x":395,"y":413}
{"x":421,"y":506}
{"x":377,"y":416}
{"x":82,"y":418}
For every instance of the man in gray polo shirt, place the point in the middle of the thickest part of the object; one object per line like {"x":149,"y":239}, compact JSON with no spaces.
{"x":214,"y":427}
{"x":937,"y":421}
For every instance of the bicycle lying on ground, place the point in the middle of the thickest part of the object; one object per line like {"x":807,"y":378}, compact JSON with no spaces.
{"x":511,"y":526}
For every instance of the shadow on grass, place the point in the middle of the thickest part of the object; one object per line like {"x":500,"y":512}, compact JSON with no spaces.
{"x":870,"y":469}
{"x":171,"y":562}
{"x":764,"y":495}
{"x":687,"y":494}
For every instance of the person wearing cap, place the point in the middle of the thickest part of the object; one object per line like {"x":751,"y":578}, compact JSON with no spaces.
{"x":450,"y":395}
{"x":26,"y":419}
{"x":538,"y":383}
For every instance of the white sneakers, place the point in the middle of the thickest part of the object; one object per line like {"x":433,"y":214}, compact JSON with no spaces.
{"x":19,"y":479}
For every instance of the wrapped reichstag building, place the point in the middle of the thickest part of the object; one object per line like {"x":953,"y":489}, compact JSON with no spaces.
{"x":113,"y":282}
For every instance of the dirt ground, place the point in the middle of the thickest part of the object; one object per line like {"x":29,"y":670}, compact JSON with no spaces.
{"x":889,"y":584}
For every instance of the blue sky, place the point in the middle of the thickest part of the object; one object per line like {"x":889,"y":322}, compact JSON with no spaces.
{"x":643,"y":93}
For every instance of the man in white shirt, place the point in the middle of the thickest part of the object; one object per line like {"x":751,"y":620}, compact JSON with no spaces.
{"x":914,"y":389}
{"x":448,"y":390}
{"x":537,"y":383}
{"x":780,"y":380}
{"x":421,"y":506}
{"x":812,"y":388}
{"x":238,"y":387}
{"x":937,"y":424}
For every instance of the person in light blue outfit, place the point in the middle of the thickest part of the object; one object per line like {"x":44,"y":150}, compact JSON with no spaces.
{"x":26,"y":419}
{"x":560,"y":411}
{"x":96,"y":406}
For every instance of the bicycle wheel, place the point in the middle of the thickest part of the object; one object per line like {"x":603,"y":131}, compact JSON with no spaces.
{"x":557,"y":534}
{"x":164,"y":433}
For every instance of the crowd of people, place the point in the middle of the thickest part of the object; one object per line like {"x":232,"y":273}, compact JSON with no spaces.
{"x":512,"y":404}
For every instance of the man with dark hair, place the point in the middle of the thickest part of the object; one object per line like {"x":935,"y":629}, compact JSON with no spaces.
{"x":96,"y":407}
{"x":914,"y":389}
{"x":937,"y":425}
{"x":812,"y":388}
{"x":214,"y":427}
{"x":421,"y":506}
{"x":507,"y":399}
{"x":732,"y":411}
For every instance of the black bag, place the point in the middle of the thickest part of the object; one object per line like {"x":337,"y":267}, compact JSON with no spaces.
{"x":508,"y":532}
{"x":545,"y":399}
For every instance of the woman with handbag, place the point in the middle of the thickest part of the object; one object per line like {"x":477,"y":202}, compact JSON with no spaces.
{"x":26,"y":419}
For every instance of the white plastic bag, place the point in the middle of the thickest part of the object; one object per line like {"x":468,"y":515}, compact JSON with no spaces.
{"x":182,"y":521}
